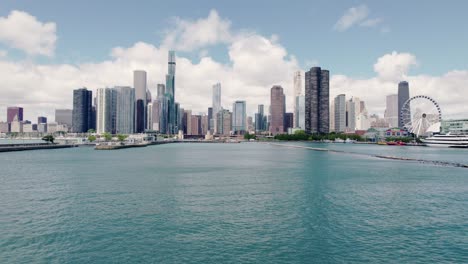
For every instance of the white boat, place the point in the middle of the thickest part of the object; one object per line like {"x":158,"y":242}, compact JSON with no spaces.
{"x":447,"y":141}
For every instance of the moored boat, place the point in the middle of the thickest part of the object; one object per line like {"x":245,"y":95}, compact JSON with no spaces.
{"x":447,"y":141}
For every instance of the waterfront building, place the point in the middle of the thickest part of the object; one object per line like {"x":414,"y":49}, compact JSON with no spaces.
{"x":239,"y":116}
{"x":4,"y":127}
{"x":297,"y":93}
{"x":317,"y":101}
{"x":259,"y":119}
{"x":250,"y":125}
{"x":105,"y":110}
{"x":332,"y":116}
{"x":195,"y":125}
{"x":155,"y":116}
{"x":353,"y":109}
{"x":188,"y":122}
{"x":170,"y":94}
{"x":64,"y":117}
{"x":288,"y":121}
{"x":140,"y":83}
{"x":224,"y":122}
{"x":14,"y":111}
{"x":216,"y":102}
{"x":149,"y":116}
{"x":41,"y":119}
{"x":27,"y":128}
{"x":124,"y":110}
{"x":204,"y":124}
{"x":16,"y":126}
{"x":82,"y":115}
{"x":454,"y":126}
{"x":277,"y":110}
{"x":403,"y":96}
{"x":210,"y":120}
{"x":391,"y":111}
{"x":41,"y":128}
{"x":300,"y":101}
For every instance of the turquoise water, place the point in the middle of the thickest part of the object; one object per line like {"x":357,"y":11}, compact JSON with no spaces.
{"x":230,"y":203}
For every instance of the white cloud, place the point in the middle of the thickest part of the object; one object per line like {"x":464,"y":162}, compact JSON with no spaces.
{"x":351,"y":17}
{"x":394,"y":66}
{"x":190,"y":35}
{"x":3,"y":53}
{"x":357,"y":16}
{"x":371,"y":22}
{"x":22,"y":31}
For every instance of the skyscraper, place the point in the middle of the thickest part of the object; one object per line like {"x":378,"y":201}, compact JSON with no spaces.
{"x":391,"y":111}
{"x":41,"y":120}
{"x":297,"y":93}
{"x":403,"y":96}
{"x":105,"y":110}
{"x":125,"y":110}
{"x":210,"y":119}
{"x":277,"y":110}
{"x":317,"y":101}
{"x":340,"y":113}
{"x":82,"y":119}
{"x":239,"y":117}
{"x":14,"y":111}
{"x":300,"y":117}
{"x":149,"y":116}
{"x":139,"y":83}
{"x":64,"y":117}
{"x":259,"y":119}
{"x":170,"y":94}
{"x":288,"y":121}
{"x":224,"y":122}
{"x":216,"y":98}
{"x":161,"y":89}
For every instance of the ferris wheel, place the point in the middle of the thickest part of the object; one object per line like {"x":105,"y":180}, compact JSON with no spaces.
{"x":419,"y":113}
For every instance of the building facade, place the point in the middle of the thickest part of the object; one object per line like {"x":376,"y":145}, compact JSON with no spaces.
{"x":239,"y":117}
{"x":82,"y":115}
{"x":391,"y":111}
{"x":277,"y":110}
{"x":125,"y":110}
{"x":14,"y":111}
{"x":340,"y":113}
{"x":317,"y":101}
{"x":403,"y":96}
{"x":297,"y":93}
{"x":64,"y":117}
{"x":140,"y":83}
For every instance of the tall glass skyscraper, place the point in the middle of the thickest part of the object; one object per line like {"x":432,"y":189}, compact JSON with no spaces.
{"x":403,"y":96}
{"x":296,"y":95}
{"x":317,"y":101}
{"x":391,"y":111}
{"x":239,"y":117}
{"x":125,"y":110}
{"x":105,"y":110}
{"x":82,"y":110}
{"x":260,"y":119}
{"x":170,"y":94}
{"x":139,"y":83}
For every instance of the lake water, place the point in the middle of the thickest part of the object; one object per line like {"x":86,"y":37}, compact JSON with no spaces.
{"x":232,"y":203}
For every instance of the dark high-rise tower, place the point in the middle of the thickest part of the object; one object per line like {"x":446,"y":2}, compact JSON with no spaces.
{"x":170,"y":94}
{"x":277,"y":110}
{"x":403,"y":96}
{"x":317,"y":101}
{"x":82,"y":119}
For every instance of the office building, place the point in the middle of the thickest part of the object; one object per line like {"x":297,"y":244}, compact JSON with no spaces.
{"x":403,"y":96}
{"x":64,"y":117}
{"x":140,"y":83}
{"x":42,"y":119}
{"x":124,"y":110}
{"x":317,"y":101}
{"x":239,"y":117}
{"x":340,"y":113}
{"x":224,"y":122}
{"x":300,"y":117}
{"x":106,"y":99}
{"x":288,"y":121}
{"x":14,"y":111}
{"x":260,"y":119}
{"x":170,"y":94}
{"x":297,"y":93}
{"x":277,"y":110}
{"x":391,"y":110}
{"x":82,"y":115}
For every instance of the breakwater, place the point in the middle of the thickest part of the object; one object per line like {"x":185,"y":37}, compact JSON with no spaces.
{"x":32,"y":146}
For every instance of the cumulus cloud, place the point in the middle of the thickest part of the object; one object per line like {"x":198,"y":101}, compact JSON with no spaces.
{"x":357,"y":15}
{"x":22,"y":31}
{"x":189,"y":35}
{"x":394,"y":66}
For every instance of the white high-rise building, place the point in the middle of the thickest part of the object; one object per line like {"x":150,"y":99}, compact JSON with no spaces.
{"x":300,"y":101}
{"x":104,"y":110}
{"x":332,"y":115}
{"x":353,"y":109}
{"x":125,"y":110}
{"x":216,"y":98}
{"x":149,"y":116}
{"x":340,"y":113}
{"x":391,"y":111}
{"x":139,"y":83}
{"x":297,"y":94}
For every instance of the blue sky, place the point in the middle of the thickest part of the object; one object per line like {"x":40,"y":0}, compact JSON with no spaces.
{"x":48,"y":48}
{"x":436,"y":33}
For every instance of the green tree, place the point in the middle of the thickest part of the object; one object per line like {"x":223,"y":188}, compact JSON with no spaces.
{"x":248,"y":136}
{"x":121,"y":137}
{"x":92,"y":138}
{"x":91,"y":131}
{"x":107,"y":136}
{"x":48,"y":138}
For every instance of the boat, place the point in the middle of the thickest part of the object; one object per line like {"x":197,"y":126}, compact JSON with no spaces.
{"x":447,"y":141}
{"x":392,"y":143}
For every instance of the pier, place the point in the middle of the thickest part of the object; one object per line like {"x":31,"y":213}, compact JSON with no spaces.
{"x":32,"y":146}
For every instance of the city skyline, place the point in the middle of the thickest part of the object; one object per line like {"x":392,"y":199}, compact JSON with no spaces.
{"x":35,"y":79}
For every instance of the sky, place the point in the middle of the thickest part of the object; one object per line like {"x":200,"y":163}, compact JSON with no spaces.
{"x":50,"y":47}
